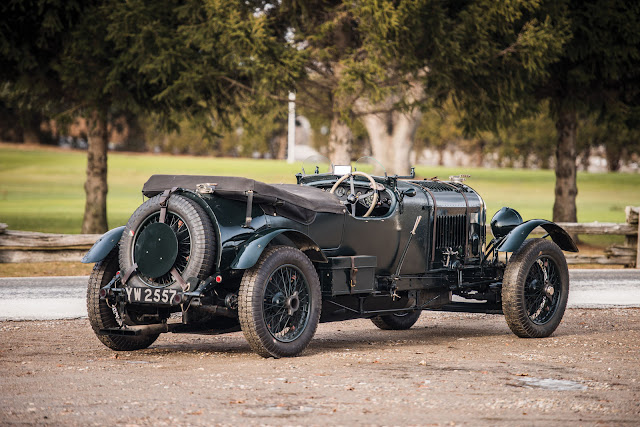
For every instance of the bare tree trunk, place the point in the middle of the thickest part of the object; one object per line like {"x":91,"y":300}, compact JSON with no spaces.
{"x":613,"y":153}
{"x":564,"y":207}
{"x":136,"y":139}
{"x":30,"y":136}
{"x":391,"y":135}
{"x":340,"y":141}
{"x":404,"y":131}
{"x":282,"y":147}
{"x":441,"y":150}
{"x":31,"y":128}
{"x":584,"y":158}
{"x":95,"y":187}
{"x":392,"y":132}
{"x":379,"y":138}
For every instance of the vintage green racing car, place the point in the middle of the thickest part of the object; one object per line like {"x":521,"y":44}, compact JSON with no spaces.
{"x":214,"y":254}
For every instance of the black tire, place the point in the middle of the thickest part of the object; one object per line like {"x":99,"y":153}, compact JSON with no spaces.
{"x":533,"y":306}
{"x":397,"y":321}
{"x":275,"y":322}
{"x":196,"y":240}
{"x":101,"y":316}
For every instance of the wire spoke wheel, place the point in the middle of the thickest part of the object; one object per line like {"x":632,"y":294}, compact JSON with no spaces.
{"x":286,"y":303}
{"x":183,"y":235}
{"x":535,"y":289}
{"x":187,"y":233}
{"x":279,"y":302}
{"x":542,"y":290}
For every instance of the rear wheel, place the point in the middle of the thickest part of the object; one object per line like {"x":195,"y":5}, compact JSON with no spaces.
{"x":397,"y":321}
{"x":101,"y":316}
{"x":535,"y":289}
{"x":279,"y":302}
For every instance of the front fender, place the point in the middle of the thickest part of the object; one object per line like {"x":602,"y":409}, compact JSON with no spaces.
{"x":103,"y":246}
{"x":514,"y":239}
{"x":253,"y":248}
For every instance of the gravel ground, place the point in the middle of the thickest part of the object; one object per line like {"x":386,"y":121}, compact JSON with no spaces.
{"x":449,"y":369}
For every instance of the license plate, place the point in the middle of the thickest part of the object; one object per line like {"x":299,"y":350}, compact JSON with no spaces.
{"x":150,"y":295}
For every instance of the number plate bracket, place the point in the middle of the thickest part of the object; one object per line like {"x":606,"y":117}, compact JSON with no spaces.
{"x":156,"y":296}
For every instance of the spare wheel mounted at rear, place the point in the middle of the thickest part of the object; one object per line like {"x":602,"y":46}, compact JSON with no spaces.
{"x":156,"y":249}
{"x":151,"y":250}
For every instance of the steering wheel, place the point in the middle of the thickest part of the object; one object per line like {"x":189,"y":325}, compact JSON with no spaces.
{"x":353,"y":198}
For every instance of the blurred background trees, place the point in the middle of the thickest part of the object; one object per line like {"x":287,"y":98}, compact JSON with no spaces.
{"x":598,"y":72}
{"x":195,"y":62}
{"x":529,"y":83}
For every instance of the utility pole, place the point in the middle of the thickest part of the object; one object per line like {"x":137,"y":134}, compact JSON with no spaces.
{"x":291,"y":135}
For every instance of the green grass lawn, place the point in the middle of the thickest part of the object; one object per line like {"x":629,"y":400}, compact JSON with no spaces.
{"x":42,"y":189}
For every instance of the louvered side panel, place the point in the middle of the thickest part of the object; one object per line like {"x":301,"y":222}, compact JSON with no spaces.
{"x":450,"y":231}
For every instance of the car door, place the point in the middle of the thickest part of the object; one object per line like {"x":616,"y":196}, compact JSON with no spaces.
{"x":387,"y":237}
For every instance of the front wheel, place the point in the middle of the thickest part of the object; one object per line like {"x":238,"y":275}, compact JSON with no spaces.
{"x":101,"y":316}
{"x":279,"y":303}
{"x":397,"y":321}
{"x":535,"y":289}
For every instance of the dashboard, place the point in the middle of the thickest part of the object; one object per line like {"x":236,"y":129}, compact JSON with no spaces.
{"x":365,"y":196}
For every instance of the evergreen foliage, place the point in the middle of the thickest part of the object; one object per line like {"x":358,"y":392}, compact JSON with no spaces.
{"x":203,"y":60}
{"x":598,"y":72}
{"x":198,"y":66}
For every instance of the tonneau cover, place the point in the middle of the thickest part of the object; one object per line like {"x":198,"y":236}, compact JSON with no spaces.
{"x":308,"y":198}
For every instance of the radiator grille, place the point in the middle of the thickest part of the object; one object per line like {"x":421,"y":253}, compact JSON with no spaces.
{"x":450,"y":231}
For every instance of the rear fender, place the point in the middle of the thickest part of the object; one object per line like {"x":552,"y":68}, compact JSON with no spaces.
{"x":103,"y":246}
{"x":517,"y":236}
{"x":252,"y":249}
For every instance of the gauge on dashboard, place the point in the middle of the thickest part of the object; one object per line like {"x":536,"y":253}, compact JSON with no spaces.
{"x":367,"y":200}
{"x":340,"y":191}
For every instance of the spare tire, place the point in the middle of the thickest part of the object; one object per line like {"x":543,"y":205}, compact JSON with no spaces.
{"x":188,"y":243}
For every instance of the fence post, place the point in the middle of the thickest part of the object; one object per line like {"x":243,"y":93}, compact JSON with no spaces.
{"x":632,"y":214}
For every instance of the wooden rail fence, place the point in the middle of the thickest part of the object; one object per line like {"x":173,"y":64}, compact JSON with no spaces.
{"x":627,"y":254}
{"x":26,"y":246}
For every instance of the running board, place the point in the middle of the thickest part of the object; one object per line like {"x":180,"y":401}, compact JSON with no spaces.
{"x":162,"y":328}
{"x":470,"y":307}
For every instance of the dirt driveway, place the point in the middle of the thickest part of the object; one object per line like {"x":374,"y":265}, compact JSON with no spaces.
{"x":450,"y":369}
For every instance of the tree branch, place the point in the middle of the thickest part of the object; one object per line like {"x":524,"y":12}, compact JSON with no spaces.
{"x":70,"y":110}
{"x":253,"y":91}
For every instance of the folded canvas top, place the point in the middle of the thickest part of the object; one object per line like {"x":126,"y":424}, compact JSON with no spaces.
{"x":288,"y":196}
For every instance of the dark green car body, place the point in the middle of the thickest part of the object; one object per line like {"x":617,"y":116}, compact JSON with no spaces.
{"x":423,"y":242}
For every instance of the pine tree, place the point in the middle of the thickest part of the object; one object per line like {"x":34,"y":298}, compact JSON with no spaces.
{"x":203,"y":60}
{"x":598,"y":71}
